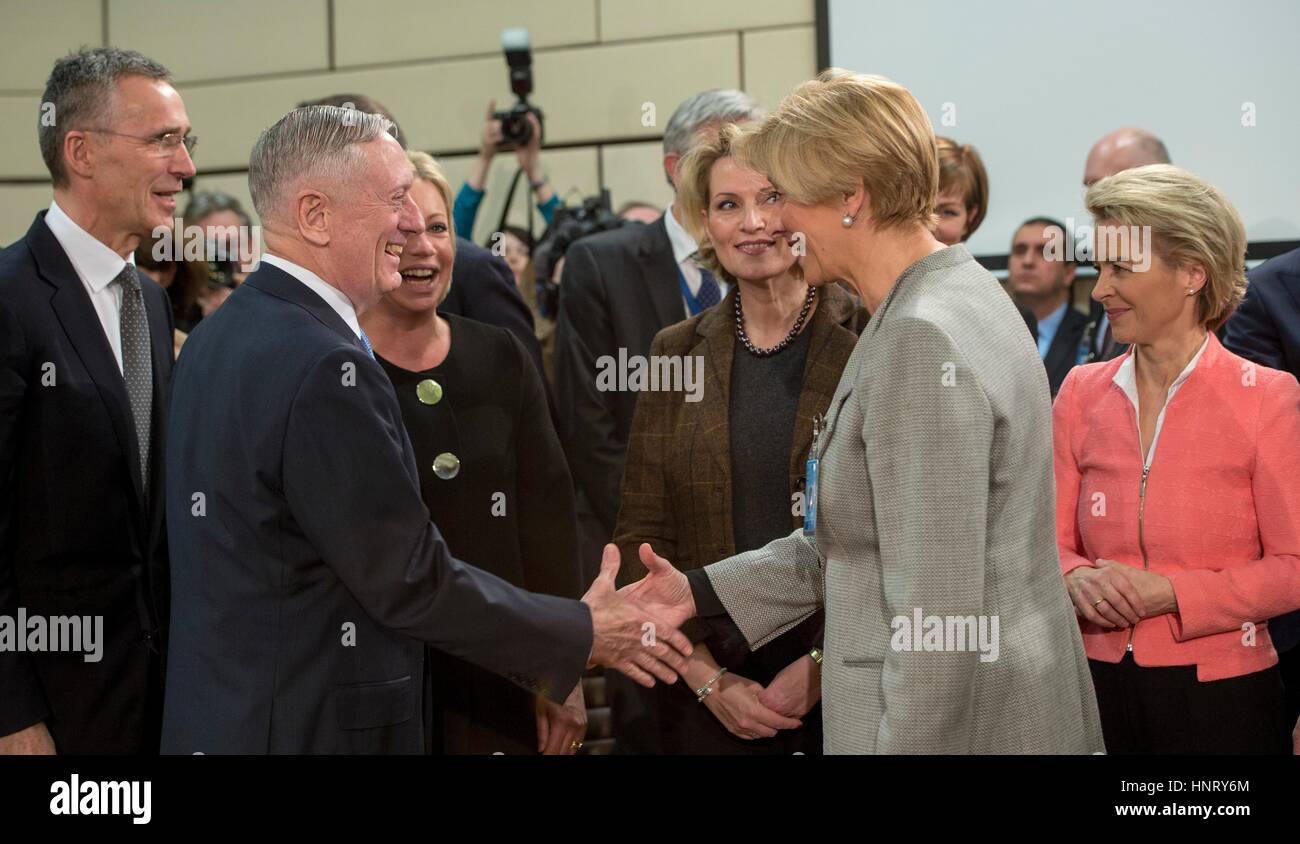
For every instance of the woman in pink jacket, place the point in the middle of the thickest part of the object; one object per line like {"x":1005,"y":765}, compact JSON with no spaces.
{"x":1178,"y":482}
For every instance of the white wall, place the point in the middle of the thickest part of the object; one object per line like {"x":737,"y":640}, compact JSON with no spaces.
{"x":1033,"y":85}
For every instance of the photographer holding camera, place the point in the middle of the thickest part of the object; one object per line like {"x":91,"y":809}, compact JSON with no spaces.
{"x":492,"y":140}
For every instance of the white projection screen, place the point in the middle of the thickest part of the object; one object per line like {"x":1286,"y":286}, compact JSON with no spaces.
{"x":1034,"y":84}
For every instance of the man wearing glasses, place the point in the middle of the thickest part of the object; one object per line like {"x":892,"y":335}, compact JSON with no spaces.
{"x":85,"y":360}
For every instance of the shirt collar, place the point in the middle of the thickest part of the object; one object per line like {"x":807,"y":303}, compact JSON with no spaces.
{"x":1126,"y":376}
{"x":333,"y":297}
{"x":96,"y":264}
{"x":684,"y":246}
{"x":1052,"y":321}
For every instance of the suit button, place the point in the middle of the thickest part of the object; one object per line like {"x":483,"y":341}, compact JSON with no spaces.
{"x":428,"y":391}
{"x":446,"y":465}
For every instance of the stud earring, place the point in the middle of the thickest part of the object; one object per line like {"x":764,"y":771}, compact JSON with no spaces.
{"x":1191,"y":292}
{"x":847,"y":220}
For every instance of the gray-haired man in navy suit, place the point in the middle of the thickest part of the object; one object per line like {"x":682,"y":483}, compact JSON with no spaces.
{"x":307,"y":575}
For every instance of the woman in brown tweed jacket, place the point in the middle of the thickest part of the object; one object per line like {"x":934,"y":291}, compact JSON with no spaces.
{"x":710,"y":478}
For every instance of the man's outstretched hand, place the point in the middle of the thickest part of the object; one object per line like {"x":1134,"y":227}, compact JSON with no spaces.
{"x":630,"y":637}
{"x":664,"y":591}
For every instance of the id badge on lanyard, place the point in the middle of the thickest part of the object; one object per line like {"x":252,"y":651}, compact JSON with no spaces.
{"x":810,"y":488}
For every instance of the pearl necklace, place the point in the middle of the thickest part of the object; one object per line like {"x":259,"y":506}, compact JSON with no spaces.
{"x":794,"y":329}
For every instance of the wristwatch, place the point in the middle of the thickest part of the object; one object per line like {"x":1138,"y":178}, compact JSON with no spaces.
{"x":537,"y":184}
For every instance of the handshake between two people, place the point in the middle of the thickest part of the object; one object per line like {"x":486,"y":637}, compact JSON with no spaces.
{"x":635,"y":632}
{"x":635,"y":629}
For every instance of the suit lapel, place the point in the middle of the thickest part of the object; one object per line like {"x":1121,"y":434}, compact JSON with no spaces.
{"x":72,"y":307}
{"x":659,"y":273}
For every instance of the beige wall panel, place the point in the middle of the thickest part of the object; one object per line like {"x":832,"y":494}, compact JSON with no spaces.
{"x":37,"y":33}
{"x":20,"y":152}
{"x":624,"y":19}
{"x":601,"y":92}
{"x":18,"y":207}
{"x":636,"y":171}
{"x":440,"y":106}
{"x":777,"y":60}
{"x":420,"y":29}
{"x":225,"y":38}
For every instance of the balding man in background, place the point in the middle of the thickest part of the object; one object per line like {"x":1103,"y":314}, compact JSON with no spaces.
{"x":307,"y":573}
{"x":1122,"y":149}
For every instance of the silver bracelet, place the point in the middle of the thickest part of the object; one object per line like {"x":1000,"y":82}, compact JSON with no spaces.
{"x":707,"y":689}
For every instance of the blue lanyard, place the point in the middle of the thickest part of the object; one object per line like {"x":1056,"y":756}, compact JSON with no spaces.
{"x":692,"y":304}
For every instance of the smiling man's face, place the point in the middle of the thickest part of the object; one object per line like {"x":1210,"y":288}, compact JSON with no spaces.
{"x":132,"y":181}
{"x":375,"y":215}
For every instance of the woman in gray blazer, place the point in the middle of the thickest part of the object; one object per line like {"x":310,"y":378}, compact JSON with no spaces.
{"x":931,"y":545}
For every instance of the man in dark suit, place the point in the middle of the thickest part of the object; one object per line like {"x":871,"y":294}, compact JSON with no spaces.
{"x":1039,"y":277}
{"x":1266,"y":329}
{"x":85,"y":361}
{"x":307,"y":577}
{"x":617,"y":290}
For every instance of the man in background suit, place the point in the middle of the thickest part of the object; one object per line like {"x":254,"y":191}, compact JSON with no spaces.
{"x":307,"y":576}
{"x":1266,"y":330}
{"x":1122,"y":149}
{"x":1040,"y":280}
{"x":85,"y":361}
{"x":617,"y":290}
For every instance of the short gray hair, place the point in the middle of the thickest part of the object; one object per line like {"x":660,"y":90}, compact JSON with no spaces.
{"x":207,"y":202}
{"x":715,"y":106}
{"x":80,"y":91}
{"x":309,"y":140}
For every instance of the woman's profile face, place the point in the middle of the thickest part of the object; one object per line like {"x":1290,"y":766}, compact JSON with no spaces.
{"x":950,"y":206}
{"x":427,"y":258}
{"x":812,"y":230}
{"x":743,"y":222}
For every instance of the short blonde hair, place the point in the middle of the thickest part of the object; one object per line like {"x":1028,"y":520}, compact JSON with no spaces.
{"x":429,"y":170}
{"x":693,"y":193}
{"x":960,"y":166}
{"x":1191,"y":223}
{"x":842,"y":130}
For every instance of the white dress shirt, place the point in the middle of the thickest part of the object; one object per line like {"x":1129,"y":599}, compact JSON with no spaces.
{"x":684,"y":249}
{"x":1126,"y":379}
{"x":97,"y":266}
{"x":333,"y":297}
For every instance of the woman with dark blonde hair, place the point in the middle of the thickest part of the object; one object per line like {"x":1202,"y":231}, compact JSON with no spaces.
{"x":726,"y":473}
{"x":1178,"y":482}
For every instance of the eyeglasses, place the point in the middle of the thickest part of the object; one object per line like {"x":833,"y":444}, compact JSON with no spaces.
{"x":164,"y":144}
